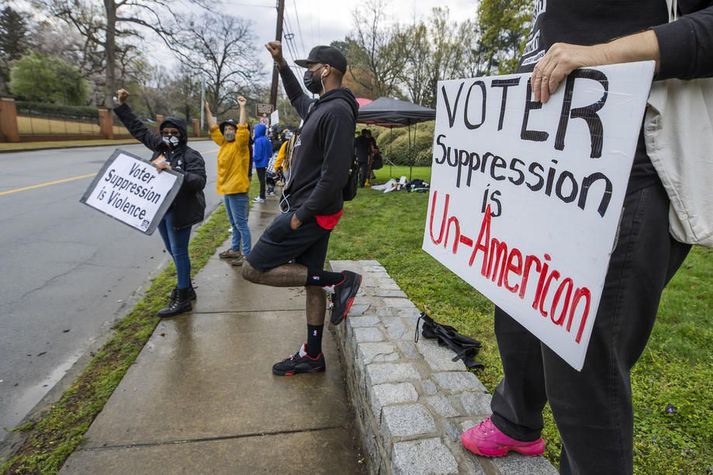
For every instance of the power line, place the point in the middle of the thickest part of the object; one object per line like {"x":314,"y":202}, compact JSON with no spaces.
{"x":289,"y":40}
{"x":299,"y":26}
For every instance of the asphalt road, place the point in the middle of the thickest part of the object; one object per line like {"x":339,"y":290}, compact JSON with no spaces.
{"x":67,"y":272}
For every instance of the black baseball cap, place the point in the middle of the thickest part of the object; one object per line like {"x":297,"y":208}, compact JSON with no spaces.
{"x":325,"y":55}
{"x":227,"y":122}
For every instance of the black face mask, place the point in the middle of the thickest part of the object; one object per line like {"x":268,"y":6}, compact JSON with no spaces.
{"x":312,"y":83}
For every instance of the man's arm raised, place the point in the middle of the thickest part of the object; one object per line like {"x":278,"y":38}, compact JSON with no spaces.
{"x":300,"y":101}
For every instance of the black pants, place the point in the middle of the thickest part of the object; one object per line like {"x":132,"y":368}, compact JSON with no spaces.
{"x":363,"y":173}
{"x":261,"y":179}
{"x":593,"y":408}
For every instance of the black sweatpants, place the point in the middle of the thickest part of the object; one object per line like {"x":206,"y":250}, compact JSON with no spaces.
{"x":593,"y":408}
{"x":363,"y":173}
{"x":261,"y":179}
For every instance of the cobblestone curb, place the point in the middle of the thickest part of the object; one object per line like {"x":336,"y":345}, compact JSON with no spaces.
{"x":411,"y":401}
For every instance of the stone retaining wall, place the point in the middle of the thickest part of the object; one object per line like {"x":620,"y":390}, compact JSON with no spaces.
{"x":411,"y":401}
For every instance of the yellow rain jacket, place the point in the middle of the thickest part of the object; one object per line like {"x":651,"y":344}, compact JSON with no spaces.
{"x":281,"y":156}
{"x":233,"y":161}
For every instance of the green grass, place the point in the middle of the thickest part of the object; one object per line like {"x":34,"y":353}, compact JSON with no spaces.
{"x":675,"y":369}
{"x":56,"y":433}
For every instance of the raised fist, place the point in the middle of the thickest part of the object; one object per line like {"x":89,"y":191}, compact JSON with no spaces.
{"x":242,"y":101}
{"x":122,"y":95}
{"x":275,"y":49}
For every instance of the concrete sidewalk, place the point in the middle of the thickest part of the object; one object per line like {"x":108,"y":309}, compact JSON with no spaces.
{"x":201,"y":397}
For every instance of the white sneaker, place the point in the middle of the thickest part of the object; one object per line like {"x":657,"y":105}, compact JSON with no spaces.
{"x":259,"y":200}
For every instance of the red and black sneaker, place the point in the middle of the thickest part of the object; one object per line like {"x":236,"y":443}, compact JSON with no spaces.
{"x":343,"y":297}
{"x":300,"y":362}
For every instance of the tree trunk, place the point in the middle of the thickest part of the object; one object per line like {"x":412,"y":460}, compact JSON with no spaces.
{"x":110,"y":51}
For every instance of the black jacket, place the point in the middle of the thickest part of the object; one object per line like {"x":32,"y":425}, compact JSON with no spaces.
{"x":189,"y":205}
{"x":322,"y":156}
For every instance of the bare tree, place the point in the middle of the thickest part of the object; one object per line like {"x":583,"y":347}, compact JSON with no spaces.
{"x":376,"y":47}
{"x":437,"y":50}
{"x":220,"y":48}
{"x":103,"y":24}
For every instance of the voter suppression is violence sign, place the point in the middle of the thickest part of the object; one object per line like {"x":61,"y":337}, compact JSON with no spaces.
{"x":526,"y":197}
{"x":131,"y":190}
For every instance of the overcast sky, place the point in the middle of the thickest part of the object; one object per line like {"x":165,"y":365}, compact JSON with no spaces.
{"x":316,"y":22}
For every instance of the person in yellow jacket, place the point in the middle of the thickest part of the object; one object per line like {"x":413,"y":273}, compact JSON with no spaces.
{"x":233,"y":181}
{"x":282,"y":162}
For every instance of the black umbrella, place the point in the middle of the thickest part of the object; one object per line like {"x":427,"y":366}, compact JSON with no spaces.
{"x":391,"y":113}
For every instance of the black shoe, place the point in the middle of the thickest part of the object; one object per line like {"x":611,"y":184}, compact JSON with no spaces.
{"x":300,"y":362}
{"x":174,"y":294}
{"x":343,"y":296}
{"x":180,"y":304}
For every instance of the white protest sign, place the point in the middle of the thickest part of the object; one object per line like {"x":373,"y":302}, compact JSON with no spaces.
{"x":131,"y":190}
{"x":552,"y":175}
{"x":275,"y":117}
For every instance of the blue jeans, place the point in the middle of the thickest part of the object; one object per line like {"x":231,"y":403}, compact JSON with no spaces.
{"x":237,"y":206}
{"x":176,"y":243}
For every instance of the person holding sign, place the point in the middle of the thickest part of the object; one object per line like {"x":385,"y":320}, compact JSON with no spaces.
{"x":593,"y":408}
{"x":233,"y":181}
{"x":171,"y":152}
{"x":292,"y":250}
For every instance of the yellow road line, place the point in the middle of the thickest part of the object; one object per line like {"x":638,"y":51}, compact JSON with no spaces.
{"x":48,"y":183}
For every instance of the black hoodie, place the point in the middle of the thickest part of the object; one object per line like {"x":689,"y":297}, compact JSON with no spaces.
{"x":322,"y":156}
{"x":189,"y":205}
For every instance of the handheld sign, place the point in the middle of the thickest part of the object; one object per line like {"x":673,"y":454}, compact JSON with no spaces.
{"x":131,"y":190}
{"x":526,"y":197}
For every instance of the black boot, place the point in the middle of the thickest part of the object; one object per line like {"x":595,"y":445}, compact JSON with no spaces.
{"x":174,"y":294}
{"x":181,"y":304}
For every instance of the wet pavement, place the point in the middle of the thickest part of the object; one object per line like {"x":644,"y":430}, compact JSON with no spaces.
{"x":67,"y":272}
{"x":201,"y":396}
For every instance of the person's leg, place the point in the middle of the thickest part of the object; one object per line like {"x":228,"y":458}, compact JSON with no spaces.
{"x":241,"y":209}
{"x":593,"y":408}
{"x":363,"y":174}
{"x":179,"y":244}
{"x":520,"y":397}
{"x":517,"y":403}
{"x":178,"y":240}
{"x":261,"y":179}
{"x":163,"y":231}
{"x":230,"y":208}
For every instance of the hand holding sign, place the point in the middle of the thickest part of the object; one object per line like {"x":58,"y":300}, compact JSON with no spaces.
{"x":160,"y":163}
{"x":130,"y":190}
{"x":562,"y":58}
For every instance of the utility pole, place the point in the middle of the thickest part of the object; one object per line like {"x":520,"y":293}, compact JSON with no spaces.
{"x":202,"y":103}
{"x":278,"y":37}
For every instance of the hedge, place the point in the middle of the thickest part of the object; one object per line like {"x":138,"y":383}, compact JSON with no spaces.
{"x":56,"y":110}
{"x":394,"y":143}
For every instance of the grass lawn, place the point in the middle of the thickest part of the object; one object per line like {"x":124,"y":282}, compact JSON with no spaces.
{"x":672,"y":382}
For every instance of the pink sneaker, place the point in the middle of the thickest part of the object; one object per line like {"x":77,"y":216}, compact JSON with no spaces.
{"x":487,"y":440}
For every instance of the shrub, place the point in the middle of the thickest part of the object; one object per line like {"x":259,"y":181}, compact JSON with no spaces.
{"x":395,"y":146}
{"x":43,"y":78}
{"x":56,"y":110}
